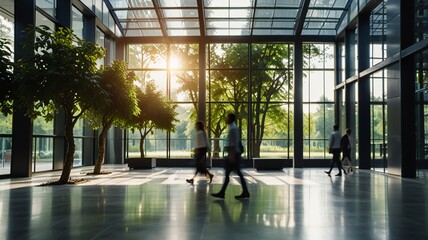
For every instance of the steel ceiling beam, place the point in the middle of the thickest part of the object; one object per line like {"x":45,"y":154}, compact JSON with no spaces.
{"x":161,"y":18}
{"x":201,"y":15}
{"x":301,"y":16}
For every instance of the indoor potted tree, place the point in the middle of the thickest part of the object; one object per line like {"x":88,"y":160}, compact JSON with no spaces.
{"x":155,"y":113}
{"x":115,"y":108}
{"x":62,"y":74}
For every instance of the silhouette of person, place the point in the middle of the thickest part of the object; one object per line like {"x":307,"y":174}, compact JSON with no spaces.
{"x":233,"y":159}
{"x":334,"y":148}
{"x":346,"y":146}
{"x":201,"y":150}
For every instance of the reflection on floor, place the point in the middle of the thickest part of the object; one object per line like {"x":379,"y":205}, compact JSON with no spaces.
{"x":159,"y":204}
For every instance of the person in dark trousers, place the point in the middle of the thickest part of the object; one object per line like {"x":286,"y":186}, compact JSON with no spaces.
{"x":201,"y":149}
{"x":346,"y":147}
{"x":233,"y":159}
{"x":334,"y":148}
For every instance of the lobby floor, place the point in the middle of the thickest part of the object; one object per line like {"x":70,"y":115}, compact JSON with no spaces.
{"x":159,"y":204}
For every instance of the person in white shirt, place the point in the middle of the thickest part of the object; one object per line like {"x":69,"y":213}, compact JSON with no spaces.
{"x":334,"y":148}
{"x":233,"y":159}
{"x":200,"y":151}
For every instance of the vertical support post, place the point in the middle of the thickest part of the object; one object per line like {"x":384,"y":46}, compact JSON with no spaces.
{"x":401,"y":135}
{"x":364,"y":92}
{"x":22,"y":130}
{"x":63,"y":10}
{"x":298,"y":104}
{"x":202,"y":83}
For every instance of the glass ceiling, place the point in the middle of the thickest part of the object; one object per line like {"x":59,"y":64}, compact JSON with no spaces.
{"x":168,"y":18}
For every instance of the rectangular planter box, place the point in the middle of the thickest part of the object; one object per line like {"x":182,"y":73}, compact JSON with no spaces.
{"x":268,"y":164}
{"x":141,"y":163}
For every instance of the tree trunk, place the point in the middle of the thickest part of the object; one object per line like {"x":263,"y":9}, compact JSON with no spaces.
{"x":142,"y":137}
{"x":256,"y":149}
{"x":101,"y":149}
{"x":68,"y":165}
{"x":216,"y":148}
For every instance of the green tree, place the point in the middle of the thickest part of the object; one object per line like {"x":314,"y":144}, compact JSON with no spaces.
{"x":6,"y":76}
{"x":189,"y":80}
{"x":114,"y":108}
{"x":61,"y":74}
{"x":229,"y":83}
{"x":271,"y":82}
{"x":155,"y":113}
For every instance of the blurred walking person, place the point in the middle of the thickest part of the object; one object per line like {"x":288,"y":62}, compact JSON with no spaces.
{"x":233,"y":160}
{"x":334,"y":148}
{"x":200,"y":152}
{"x":346,"y":145}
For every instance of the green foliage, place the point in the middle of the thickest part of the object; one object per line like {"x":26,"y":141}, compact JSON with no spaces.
{"x":120,"y":101}
{"x":6,"y":76}
{"x":61,"y":74}
{"x":155,"y":113}
{"x":155,"y":110}
{"x":40,"y":126}
{"x":5,"y":124}
{"x":189,"y":80}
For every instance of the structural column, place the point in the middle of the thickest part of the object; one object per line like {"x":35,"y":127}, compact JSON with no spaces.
{"x":349,"y":91}
{"x":63,"y":10}
{"x":202,"y":92}
{"x":22,"y":129}
{"x":298,"y":104}
{"x":401,"y":92}
{"x":364,"y":92}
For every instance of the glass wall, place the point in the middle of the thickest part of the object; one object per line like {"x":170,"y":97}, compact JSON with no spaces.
{"x":99,"y":39}
{"x":262,"y":92}
{"x":378,"y":120}
{"x":228,"y":90}
{"x":341,"y":64}
{"x":318,"y":98}
{"x":5,"y":143}
{"x":183,"y":77}
{"x":43,"y":137}
{"x":378,"y":89}
{"x":421,"y":20}
{"x":78,"y":133}
{"x":77,"y":23}
{"x":6,"y":32}
{"x":48,"y":6}
{"x":272,"y":95}
{"x":378,"y":34}
{"x":149,"y":62}
{"x":422,"y":113}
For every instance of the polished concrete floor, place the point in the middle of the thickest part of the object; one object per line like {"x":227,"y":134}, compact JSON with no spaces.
{"x":159,"y":204}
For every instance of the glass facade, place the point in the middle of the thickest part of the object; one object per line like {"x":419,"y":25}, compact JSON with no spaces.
{"x":150,"y":64}
{"x":421,"y":20}
{"x":249,"y":68}
{"x":378,"y":120}
{"x":77,"y":23}
{"x":378,"y":34}
{"x":421,"y":99}
{"x":318,"y":99}
{"x":6,"y":32}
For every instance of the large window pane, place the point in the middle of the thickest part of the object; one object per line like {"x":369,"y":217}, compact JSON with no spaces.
{"x":42,"y":154}
{"x":318,"y":97}
{"x":183,"y":139}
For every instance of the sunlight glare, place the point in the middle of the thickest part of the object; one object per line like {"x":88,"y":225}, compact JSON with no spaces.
{"x":174,"y":62}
